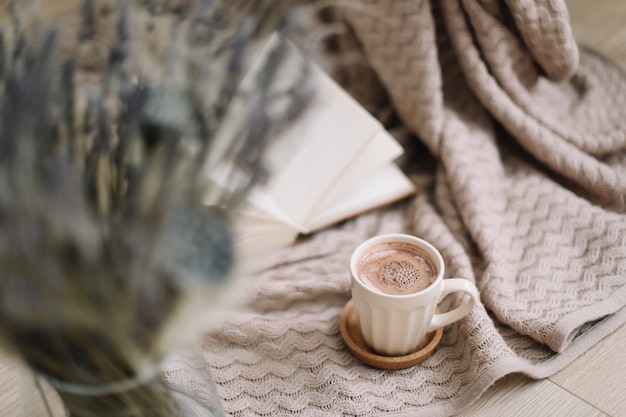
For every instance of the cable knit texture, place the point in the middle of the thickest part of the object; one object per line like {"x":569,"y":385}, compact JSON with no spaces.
{"x":522,"y":188}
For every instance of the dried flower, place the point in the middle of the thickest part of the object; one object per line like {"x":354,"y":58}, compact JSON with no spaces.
{"x":106,"y":149}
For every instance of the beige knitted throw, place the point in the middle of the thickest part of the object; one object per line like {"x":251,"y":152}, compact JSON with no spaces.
{"x":524,"y":194}
{"x":520,"y":155}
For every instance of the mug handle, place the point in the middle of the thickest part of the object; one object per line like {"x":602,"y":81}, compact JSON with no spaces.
{"x":451,"y":285}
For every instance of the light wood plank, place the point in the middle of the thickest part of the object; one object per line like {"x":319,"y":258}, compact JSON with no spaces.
{"x":19,"y":397}
{"x":9,"y":399}
{"x":599,"y":375}
{"x":518,"y":395}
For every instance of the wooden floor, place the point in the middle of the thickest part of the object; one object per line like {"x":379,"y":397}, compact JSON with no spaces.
{"x":593,"y":385}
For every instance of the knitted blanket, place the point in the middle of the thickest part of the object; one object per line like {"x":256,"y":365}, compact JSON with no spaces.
{"x":522,"y":174}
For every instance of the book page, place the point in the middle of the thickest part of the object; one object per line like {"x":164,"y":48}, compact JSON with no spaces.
{"x":334,"y":162}
{"x":381,"y":150}
{"x":255,"y":237}
{"x":383,"y":186}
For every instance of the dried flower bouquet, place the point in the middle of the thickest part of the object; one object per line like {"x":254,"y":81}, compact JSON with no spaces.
{"x":105,"y":148}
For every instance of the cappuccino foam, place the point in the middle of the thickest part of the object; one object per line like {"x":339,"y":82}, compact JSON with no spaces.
{"x":396,"y":270}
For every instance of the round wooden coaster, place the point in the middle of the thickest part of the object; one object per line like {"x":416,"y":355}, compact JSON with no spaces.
{"x":351,"y":333}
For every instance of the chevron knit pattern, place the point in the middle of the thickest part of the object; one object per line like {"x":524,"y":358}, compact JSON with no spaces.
{"x":523,"y":189}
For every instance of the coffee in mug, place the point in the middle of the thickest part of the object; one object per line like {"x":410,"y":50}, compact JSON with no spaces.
{"x":396,"y":268}
{"x":397,"y":280}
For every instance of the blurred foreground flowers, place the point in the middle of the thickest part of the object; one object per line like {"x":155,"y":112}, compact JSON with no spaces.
{"x":106,"y":147}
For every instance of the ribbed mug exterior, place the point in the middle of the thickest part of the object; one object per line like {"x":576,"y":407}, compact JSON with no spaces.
{"x":392,"y":333}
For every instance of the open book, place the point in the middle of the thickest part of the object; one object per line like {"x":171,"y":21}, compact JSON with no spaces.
{"x":335,"y":162}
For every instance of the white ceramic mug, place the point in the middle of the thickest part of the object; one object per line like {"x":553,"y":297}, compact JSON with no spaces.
{"x":394,"y":325}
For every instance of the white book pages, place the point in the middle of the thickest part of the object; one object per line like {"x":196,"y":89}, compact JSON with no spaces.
{"x":381,"y":150}
{"x":383,"y":186}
